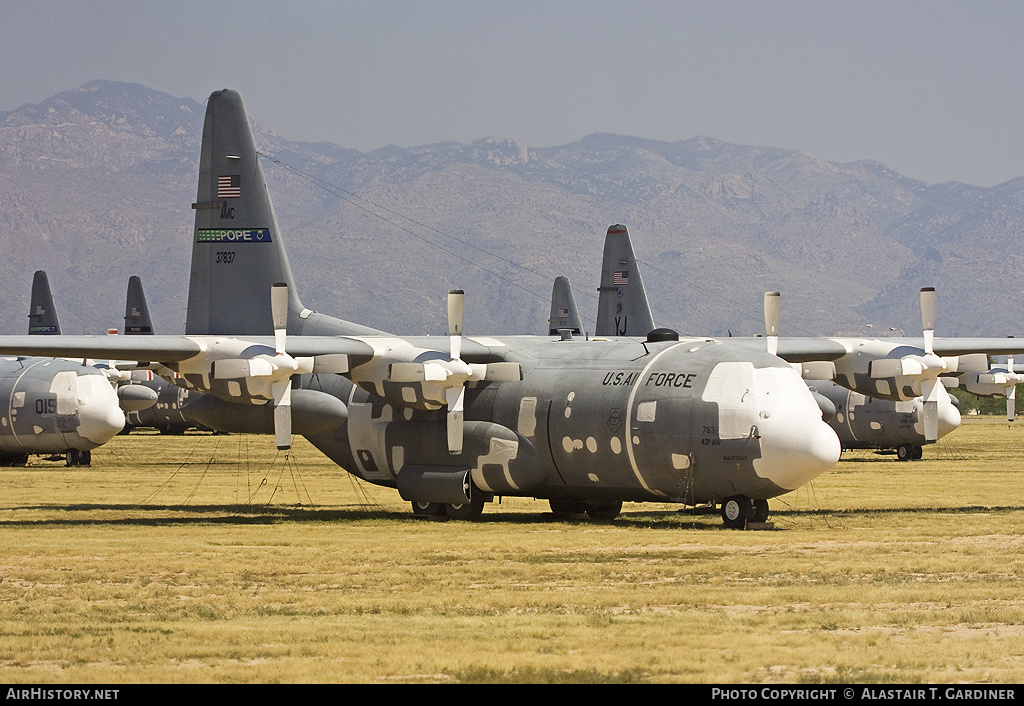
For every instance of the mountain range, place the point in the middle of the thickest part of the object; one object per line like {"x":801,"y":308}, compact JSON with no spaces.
{"x":96,"y":184}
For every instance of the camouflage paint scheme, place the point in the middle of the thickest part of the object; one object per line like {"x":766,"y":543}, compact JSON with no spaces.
{"x":54,"y":406}
{"x":860,"y":422}
{"x":863,"y":422}
{"x":588,"y":421}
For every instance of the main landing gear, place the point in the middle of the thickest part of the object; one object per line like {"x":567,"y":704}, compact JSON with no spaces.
{"x":738,"y":510}
{"x":908,"y":452}
{"x":594,"y":509}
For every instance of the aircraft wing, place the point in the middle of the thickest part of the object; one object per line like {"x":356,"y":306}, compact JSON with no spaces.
{"x":965,"y":346}
{"x":169,"y":349}
{"x":804,"y":350}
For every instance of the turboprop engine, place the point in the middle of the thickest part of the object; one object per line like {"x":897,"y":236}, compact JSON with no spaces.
{"x":312,"y":412}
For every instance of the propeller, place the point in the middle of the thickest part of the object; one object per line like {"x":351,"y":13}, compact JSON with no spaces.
{"x":1006,"y":381}
{"x":931,"y":389}
{"x":275,"y":371}
{"x":922,"y":369}
{"x":445,"y":380}
{"x":281,"y":387}
{"x":456,"y":396}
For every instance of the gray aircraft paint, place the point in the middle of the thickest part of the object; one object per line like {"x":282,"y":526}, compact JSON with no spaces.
{"x":53,"y":406}
{"x":581,"y":405}
{"x":860,"y":421}
{"x":42,"y":317}
{"x":684,"y":424}
{"x":168,"y":413}
{"x":622,"y":300}
{"x":565,"y":315}
{"x":863,"y":422}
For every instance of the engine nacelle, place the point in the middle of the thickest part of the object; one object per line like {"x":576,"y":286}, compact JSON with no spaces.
{"x":313,"y":412}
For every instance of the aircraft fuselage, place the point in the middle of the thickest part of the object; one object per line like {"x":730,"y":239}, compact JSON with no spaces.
{"x":679,"y":421}
{"x":53,"y":405}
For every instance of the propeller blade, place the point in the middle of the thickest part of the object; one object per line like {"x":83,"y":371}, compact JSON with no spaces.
{"x":456,"y":398}
{"x":279,"y":310}
{"x":283,"y":414}
{"x":456,"y":310}
{"x":772,"y":314}
{"x":928,"y":318}
{"x":931,"y":391}
{"x":283,"y":389}
{"x":1011,"y":393}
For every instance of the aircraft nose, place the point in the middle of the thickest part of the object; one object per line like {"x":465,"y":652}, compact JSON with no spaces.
{"x":794,"y":452}
{"x":796,"y":445}
{"x":99,"y":415}
{"x":949,"y":419}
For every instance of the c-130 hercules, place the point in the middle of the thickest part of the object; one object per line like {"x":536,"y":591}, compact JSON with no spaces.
{"x":452,"y":423}
{"x":860,"y":421}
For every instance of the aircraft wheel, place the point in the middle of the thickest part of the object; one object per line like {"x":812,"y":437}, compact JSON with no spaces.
{"x":422,"y":509}
{"x":760,"y":511}
{"x":567,"y":507}
{"x":607,"y":510}
{"x":736,"y":510}
{"x":918,"y":453}
{"x":467,"y":511}
{"x":904,"y":452}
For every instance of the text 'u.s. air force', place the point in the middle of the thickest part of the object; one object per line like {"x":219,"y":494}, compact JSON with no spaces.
{"x":656,"y":379}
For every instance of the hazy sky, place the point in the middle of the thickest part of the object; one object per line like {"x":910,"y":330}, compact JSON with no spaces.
{"x":933,"y":89}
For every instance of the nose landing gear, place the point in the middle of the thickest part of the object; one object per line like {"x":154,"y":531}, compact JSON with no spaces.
{"x":739,"y":510}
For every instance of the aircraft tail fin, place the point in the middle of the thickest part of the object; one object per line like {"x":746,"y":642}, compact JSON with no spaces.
{"x":238,"y":251}
{"x":136,"y":310}
{"x":564,"y":313}
{"x":622,"y":308}
{"x":42,"y":315}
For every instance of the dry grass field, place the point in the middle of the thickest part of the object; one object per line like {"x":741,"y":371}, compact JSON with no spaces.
{"x":205,"y":559}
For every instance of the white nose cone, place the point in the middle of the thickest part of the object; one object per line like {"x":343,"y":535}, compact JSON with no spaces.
{"x":99,"y":414}
{"x":796,"y":445}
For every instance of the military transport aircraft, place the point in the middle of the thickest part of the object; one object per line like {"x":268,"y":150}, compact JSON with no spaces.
{"x":167,"y":414}
{"x":453,"y":422}
{"x":53,"y":406}
{"x":860,"y":421}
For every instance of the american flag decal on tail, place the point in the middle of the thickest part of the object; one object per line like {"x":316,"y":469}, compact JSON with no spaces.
{"x":229,"y":186}
{"x":620,"y":279}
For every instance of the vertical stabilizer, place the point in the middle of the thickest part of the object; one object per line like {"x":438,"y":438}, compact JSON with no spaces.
{"x":136,"y":310}
{"x":564,"y":313}
{"x":42,"y":315}
{"x":237,"y":250}
{"x":622,"y":308}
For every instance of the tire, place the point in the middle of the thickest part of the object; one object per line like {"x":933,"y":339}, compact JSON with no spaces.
{"x":760,"y":511}
{"x":904,"y":452}
{"x":736,"y":510}
{"x":567,"y":507}
{"x":606,"y":510}
{"x":421,"y":509}
{"x":468,"y":511}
